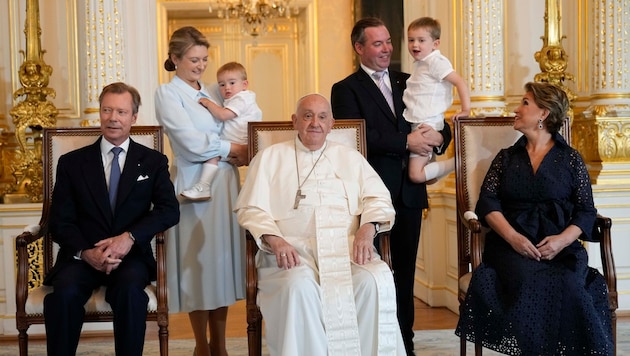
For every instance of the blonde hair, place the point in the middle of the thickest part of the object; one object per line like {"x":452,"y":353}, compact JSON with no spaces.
{"x":233,"y":67}
{"x":430,"y":24}
{"x":181,"y":41}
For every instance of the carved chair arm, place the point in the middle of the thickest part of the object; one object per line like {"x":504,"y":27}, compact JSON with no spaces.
{"x":384,"y":247}
{"x":251,"y":282}
{"x":161,"y":289}
{"x":471,"y":222}
{"x":30,"y":235}
{"x":602,"y":235}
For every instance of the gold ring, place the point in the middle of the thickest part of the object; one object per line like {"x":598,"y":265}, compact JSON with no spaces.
{"x":283,"y":255}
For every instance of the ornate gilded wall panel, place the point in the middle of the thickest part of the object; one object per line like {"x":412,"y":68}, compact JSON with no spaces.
{"x":59,"y":40}
{"x":603,"y":139}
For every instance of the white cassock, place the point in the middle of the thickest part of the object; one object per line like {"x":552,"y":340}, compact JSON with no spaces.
{"x":328,"y":305}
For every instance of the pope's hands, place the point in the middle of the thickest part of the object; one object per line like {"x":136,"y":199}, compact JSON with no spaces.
{"x":363,"y":245}
{"x":286,"y":255}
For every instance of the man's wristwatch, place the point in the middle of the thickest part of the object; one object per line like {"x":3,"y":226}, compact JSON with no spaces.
{"x":377,"y":227}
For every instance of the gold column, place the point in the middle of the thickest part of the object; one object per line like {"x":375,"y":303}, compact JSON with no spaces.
{"x":32,"y":114}
{"x":552,"y":58}
{"x":604,"y":127}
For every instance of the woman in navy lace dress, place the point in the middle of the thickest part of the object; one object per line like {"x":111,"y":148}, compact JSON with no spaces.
{"x":534,"y":293}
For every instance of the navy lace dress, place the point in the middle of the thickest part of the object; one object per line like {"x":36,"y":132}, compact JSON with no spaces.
{"x":519,"y":306}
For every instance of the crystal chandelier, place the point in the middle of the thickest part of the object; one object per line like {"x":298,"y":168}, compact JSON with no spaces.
{"x":253,"y":13}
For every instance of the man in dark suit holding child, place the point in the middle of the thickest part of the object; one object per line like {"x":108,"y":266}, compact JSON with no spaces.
{"x":374,"y":93}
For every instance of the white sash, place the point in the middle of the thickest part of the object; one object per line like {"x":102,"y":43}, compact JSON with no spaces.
{"x":338,"y":306}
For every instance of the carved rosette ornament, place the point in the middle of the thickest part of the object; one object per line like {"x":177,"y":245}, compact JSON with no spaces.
{"x":33,"y":113}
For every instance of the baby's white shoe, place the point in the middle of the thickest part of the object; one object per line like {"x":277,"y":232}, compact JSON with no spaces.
{"x":197,"y":192}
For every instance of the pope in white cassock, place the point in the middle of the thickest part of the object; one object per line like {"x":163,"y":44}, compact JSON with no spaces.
{"x":314,"y":207}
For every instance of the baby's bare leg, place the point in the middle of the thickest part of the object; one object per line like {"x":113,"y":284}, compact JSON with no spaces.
{"x":416,"y":168}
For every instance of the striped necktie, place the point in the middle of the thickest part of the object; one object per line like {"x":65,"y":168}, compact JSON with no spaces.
{"x":387,"y":93}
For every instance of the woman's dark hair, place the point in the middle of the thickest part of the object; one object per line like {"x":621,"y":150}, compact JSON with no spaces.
{"x":553,"y":98}
{"x":181,"y":41}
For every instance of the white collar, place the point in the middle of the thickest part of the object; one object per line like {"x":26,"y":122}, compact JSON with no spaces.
{"x":107,"y":146}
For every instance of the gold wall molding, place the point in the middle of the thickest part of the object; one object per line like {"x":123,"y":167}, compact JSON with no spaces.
{"x":482,"y":111}
{"x":612,"y":110}
{"x":604,"y":96}
{"x":602,"y":139}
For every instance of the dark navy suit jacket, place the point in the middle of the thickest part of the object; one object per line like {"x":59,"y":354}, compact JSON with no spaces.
{"x":80,"y":214}
{"x":357,"y":96}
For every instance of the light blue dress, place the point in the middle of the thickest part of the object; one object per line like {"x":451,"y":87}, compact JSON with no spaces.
{"x":205,"y":264}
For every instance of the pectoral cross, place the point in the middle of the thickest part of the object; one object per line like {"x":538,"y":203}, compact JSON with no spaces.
{"x":298,"y":196}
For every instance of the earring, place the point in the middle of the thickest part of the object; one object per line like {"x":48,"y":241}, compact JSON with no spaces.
{"x":540,"y":125}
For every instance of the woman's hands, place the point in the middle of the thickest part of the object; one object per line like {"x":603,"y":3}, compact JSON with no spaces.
{"x":238,"y":154}
{"x":518,"y":241}
{"x":546,"y":249}
{"x":524,"y":247}
{"x":551,"y":245}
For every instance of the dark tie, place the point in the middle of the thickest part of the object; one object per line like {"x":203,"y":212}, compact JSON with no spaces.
{"x":387,"y":93}
{"x":114,"y":177}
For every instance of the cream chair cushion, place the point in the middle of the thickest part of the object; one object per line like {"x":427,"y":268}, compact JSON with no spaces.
{"x":96,"y":303}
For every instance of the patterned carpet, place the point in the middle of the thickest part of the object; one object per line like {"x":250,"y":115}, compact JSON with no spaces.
{"x":428,"y":343}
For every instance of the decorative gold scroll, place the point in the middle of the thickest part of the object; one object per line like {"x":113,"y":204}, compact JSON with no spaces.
{"x":552,"y":58}
{"x":31,"y":114}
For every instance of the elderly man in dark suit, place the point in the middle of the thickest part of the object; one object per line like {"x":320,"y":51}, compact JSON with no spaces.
{"x":105,"y":238}
{"x":374,"y":93}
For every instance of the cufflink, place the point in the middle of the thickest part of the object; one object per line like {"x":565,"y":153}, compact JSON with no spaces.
{"x":78,"y":255}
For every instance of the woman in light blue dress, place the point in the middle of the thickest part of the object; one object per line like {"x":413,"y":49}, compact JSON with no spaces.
{"x":205,"y":251}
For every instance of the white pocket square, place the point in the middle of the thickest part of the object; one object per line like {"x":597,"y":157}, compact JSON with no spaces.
{"x":141,"y":178}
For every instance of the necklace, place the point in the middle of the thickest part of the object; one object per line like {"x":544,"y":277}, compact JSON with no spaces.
{"x":298,"y":195}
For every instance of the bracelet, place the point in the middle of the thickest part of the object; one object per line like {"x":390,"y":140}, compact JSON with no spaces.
{"x":131,"y":236}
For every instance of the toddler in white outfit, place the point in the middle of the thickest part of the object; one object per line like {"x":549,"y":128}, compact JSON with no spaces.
{"x":239,"y":108}
{"x":429,"y":93}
